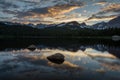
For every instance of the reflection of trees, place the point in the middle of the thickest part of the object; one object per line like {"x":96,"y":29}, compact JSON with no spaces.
{"x":115,"y":51}
{"x":63,"y":44}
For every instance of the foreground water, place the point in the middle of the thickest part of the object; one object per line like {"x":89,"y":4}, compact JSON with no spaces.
{"x":85,"y":59}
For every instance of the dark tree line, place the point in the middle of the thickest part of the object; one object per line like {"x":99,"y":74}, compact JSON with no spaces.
{"x":23,"y":30}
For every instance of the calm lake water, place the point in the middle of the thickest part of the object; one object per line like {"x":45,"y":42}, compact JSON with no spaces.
{"x":85,"y":59}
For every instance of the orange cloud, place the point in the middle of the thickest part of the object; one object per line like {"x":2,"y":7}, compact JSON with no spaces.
{"x":53,"y":11}
{"x":96,"y":18}
{"x":112,"y":7}
{"x":101,"y":3}
{"x":62,"y":9}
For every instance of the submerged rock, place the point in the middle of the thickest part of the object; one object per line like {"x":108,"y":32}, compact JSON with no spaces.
{"x":31,"y":47}
{"x":57,"y":58}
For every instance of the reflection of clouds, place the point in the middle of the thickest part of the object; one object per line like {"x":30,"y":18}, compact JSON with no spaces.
{"x":110,"y":64}
{"x":94,"y":53}
{"x":72,"y":59}
{"x":38,"y":56}
{"x":101,"y":70}
{"x":106,"y":59}
{"x":77,"y":58}
{"x":29,"y":64}
{"x":65,"y":65}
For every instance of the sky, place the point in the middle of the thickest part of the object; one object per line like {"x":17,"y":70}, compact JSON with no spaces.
{"x":58,"y":11}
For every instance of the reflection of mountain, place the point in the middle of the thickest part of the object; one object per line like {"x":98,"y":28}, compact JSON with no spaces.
{"x":115,"y":22}
{"x":64,"y":44}
{"x":115,"y":51}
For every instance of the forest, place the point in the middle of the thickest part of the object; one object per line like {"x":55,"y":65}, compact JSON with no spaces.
{"x":27,"y":31}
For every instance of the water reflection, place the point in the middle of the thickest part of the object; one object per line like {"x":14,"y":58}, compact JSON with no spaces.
{"x":64,"y":44}
{"x":82,"y":59}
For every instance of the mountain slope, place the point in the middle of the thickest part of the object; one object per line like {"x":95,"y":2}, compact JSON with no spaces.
{"x":114,"y":23}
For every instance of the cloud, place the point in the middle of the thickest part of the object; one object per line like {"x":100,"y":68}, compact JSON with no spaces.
{"x":106,"y":13}
{"x":25,"y":10}
{"x":102,"y":2}
{"x":111,"y":8}
{"x":31,"y":1}
{"x":95,"y":18}
{"x":9,"y":12}
{"x":48,"y":14}
{"x":50,"y":11}
{"x":71,"y":17}
{"x":5,"y":4}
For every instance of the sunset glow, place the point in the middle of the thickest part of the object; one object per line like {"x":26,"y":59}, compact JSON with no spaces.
{"x":54,"y":11}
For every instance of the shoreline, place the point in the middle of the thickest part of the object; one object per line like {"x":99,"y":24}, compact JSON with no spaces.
{"x":64,"y":37}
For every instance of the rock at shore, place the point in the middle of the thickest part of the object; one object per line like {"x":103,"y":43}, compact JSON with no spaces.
{"x":31,"y":47}
{"x":57,"y":58}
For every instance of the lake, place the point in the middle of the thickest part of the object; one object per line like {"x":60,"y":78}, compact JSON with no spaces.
{"x":84,"y":59}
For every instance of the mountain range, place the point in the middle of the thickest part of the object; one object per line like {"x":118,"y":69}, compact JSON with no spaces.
{"x":114,"y":23}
